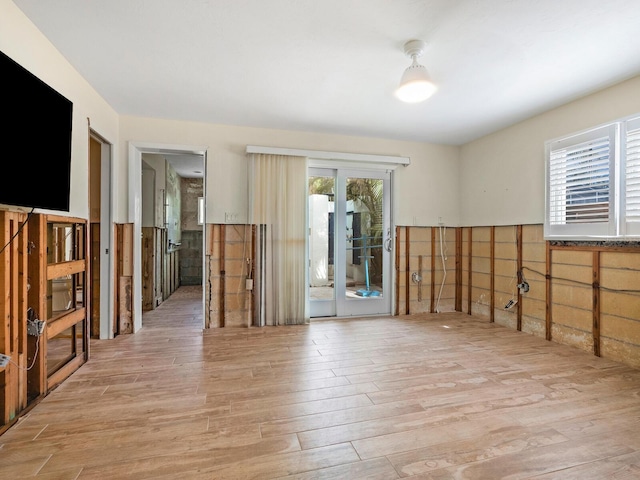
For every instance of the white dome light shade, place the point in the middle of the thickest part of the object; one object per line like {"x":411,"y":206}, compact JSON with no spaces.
{"x":415,"y":84}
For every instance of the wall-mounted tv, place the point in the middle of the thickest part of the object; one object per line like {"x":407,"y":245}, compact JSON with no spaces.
{"x":35,"y":140}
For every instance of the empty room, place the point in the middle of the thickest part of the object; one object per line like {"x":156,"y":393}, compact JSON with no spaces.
{"x":297,"y":239}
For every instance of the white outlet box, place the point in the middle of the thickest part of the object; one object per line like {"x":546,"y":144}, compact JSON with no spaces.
{"x":4,"y":360}
{"x":230,"y":217}
{"x":35,"y":327}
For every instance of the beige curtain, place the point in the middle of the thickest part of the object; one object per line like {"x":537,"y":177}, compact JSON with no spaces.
{"x":278,"y":208}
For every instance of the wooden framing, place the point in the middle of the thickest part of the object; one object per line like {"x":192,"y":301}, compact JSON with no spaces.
{"x":601,"y":317}
{"x":123,"y":283}
{"x":37,"y":298}
{"x":519,"y":269}
{"x":407,"y":273}
{"x":470,"y":272}
{"x":13,"y":314}
{"x":596,"y":251}
{"x":78,"y":315}
{"x":30,"y":262}
{"x":397,"y":267}
{"x":458,"y":306}
{"x":252,"y":273}
{"x":420,"y":275}
{"x":596,"y":303}
{"x":222,"y":274}
{"x":548,"y":305}
{"x":492,"y":260}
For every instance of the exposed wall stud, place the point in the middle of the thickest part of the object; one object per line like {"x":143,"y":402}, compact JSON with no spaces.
{"x":397,"y":266}
{"x":548,"y":296}
{"x":596,"y":303}
{"x":492,"y":241}
{"x":458,"y":269}
{"x":420,"y":276}
{"x":470,"y":272}
{"x":222,"y":274}
{"x":407,"y":270}
{"x":519,"y":269}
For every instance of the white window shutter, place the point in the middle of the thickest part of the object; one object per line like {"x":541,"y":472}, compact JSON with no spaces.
{"x":580,"y":185}
{"x":631,"y":149}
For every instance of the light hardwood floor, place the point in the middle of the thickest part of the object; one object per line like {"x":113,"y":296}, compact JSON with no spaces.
{"x":443,"y":396}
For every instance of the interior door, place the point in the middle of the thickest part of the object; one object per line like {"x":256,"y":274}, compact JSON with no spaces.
{"x":349,"y":242}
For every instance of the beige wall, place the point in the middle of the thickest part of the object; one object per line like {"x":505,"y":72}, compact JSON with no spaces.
{"x":502,"y":174}
{"x":25,"y":44}
{"x":425,"y":191}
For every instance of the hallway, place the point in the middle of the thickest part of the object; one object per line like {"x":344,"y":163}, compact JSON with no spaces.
{"x":431,"y":397}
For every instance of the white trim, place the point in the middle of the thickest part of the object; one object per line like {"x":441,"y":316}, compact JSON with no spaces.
{"x":136,"y":149}
{"x":388,"y":160}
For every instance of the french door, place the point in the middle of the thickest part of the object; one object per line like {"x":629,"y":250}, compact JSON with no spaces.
{"x":349,"y":242}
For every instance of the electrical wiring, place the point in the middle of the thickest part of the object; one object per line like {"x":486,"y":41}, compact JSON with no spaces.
{"x":35,"y":357}
{"x":444,"y":266}
{"x":18,"y":232}
{"x":587,"y":284}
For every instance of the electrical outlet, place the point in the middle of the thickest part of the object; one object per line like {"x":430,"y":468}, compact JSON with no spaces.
{"x":524,"y":287}
{"x":4,"y":360}
{"x":230,"y":217}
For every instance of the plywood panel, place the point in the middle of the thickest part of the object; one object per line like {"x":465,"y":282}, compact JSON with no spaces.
{"x":626,"y":353}
{"x":618,"y":304}
{"x":570,"y":336}
{"x":622,"y":329}
{"x":228,"y":303}
{"x":420,"y":263}
{"x":125,"y":317}
{"x":148,"y":268}
{"x":444,"y":265}
{"x":127,"y":250}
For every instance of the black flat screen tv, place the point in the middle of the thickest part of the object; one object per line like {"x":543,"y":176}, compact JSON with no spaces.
{"x":35,"y":140}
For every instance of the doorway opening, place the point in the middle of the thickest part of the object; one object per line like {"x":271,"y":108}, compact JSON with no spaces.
{"x":166,"y":221}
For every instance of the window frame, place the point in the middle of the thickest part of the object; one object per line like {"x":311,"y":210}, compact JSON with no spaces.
{"x":617,"y":226}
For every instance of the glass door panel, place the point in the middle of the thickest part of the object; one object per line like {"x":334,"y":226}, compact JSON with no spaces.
{"x":321,"y":243}
{"x":363,"y":256}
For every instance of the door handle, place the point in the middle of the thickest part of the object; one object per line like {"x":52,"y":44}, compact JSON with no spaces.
{"x":387,"y":241}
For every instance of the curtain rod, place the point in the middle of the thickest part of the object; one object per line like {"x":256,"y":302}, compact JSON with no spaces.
{"x":323,"y":155}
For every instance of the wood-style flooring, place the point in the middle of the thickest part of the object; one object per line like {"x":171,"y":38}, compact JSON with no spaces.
{"x":443,"y":396}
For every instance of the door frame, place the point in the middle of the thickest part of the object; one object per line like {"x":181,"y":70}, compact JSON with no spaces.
{"x":135,"y":151}
{"x":107,"y":266}
{"x":343,"y":307}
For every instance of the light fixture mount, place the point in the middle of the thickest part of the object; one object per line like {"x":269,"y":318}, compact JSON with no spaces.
{"x":414,"y":48}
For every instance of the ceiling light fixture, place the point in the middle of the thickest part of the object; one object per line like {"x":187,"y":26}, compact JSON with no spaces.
{"x":415,"y":84}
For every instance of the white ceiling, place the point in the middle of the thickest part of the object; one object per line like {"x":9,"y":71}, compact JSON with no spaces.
{"x":332,"y":65}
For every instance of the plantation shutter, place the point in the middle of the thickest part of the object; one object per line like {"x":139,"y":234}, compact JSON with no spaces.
{"x":632,"y":176}
{"x":580,"y":186}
